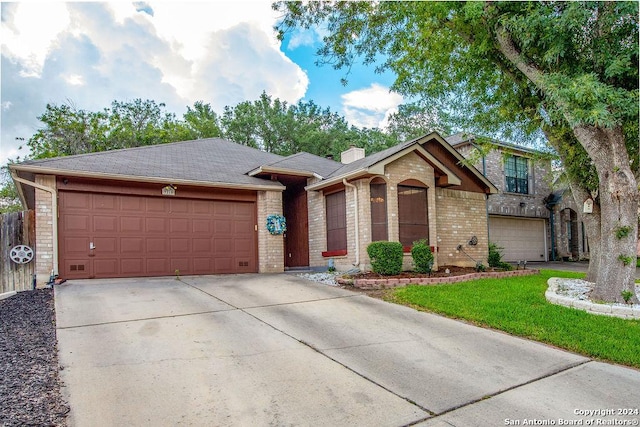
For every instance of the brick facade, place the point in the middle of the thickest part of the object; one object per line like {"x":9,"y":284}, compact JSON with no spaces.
{"x":454,"y":218}
{"x":515,"y":205}
{"x":270,"y":247}
{"x":44,"y":229}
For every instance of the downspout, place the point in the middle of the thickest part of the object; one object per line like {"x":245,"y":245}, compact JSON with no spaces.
{"x":357,"y":224}
{"x":54,"y":214}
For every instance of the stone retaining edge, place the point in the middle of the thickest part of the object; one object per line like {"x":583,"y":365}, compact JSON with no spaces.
{"x":394,"y":283}
{"x":600,"y":309}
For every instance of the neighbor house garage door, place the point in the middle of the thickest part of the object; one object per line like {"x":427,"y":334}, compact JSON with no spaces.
{"x":522,"y":239}
{"x":110,"y":235}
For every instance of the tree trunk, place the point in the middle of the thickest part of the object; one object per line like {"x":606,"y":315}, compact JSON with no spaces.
{"x":618,"y":192}
{"x":591,"y":223}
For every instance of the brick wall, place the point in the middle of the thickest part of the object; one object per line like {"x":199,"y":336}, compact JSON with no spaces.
{"x":454,"y":217}
{"x":270,"y":247}
{"x":461,"y":215}
{"x":317,"y":226}
{"x":44,"y":230}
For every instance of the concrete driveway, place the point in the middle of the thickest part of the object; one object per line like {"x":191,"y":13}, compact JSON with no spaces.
{"x":275,"y":350}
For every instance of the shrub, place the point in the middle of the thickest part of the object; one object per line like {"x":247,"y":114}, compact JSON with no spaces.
{"x":386,"y":257}
{"x":495,"y":258}
{"x":422,"y":256}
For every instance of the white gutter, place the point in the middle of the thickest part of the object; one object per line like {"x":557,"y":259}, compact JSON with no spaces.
{"x":54,"y":213}
{"x":357,"y":224}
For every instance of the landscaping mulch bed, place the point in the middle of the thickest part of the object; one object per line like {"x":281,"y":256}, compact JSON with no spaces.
{"x":442,"y":272}
{"x":30,"y":387}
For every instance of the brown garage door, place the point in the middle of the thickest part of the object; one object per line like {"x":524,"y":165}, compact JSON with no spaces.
{"x":109,"y":235}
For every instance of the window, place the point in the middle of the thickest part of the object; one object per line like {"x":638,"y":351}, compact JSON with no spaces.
{"x":412,"y":214}
{"x":336,"y":221}
{"x":516,"y":173}
{"x":378,"y":211}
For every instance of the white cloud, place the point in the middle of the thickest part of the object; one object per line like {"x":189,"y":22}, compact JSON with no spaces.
{"x":32,"y":33}
{"x":92,"y":53}
{"x":370,"y":107}
{"x":74,"y":80}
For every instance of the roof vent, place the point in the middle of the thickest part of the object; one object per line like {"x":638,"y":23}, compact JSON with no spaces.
{"x":351,"y":155}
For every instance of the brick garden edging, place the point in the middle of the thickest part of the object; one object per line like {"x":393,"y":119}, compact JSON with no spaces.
{"x":394,"y":282}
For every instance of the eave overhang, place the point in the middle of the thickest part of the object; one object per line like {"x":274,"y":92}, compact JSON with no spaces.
{"x":271,"y":186}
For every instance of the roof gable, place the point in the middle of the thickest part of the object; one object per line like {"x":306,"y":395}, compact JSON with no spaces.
{"x":432,"y":148}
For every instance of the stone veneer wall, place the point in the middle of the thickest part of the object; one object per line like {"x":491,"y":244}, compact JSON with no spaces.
{"x":461,"y":215}
{"x":270,"y":247}
{"x":44,"y":230}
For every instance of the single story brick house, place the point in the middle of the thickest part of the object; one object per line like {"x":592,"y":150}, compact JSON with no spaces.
{"x":201,"y":207}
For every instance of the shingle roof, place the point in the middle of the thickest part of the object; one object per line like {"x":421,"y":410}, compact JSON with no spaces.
{"x":211,"y":160}
{"x":465,"y":137}
{"x":306,"y":162}
{"x":372,"y":159}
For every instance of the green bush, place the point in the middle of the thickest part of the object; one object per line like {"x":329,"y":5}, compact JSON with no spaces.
{"x":386,"y":257}
{"x":495,"y":258}
{"x":422,"y":256}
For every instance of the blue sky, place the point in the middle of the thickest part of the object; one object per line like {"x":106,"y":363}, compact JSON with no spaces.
{"x":218,"y":52}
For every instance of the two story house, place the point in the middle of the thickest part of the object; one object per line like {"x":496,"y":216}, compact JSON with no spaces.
{"x":519,"y":215}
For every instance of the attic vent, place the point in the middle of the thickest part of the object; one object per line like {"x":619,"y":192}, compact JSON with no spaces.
{"x":351,"y":155}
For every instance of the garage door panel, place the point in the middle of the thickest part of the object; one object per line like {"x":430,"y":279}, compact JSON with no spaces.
{"x":222,"y":227}
{"x":76,"y":245}
{"x":180,"y":246}
{"x":179,"y":206}
{"x":78,"y":201}
{"x":158,"y":266}
{"x":202,"y":226}
{"x":153,"y":236}
{"x":181,"y":264}
{"x":156,"y":225}
{"x":157,"y":245}
{"x":179,"y":225}
{"x":131,"y":266}
{"x":105,"y":223}
{"x":224,"y":265}
{"x":130,"y":224}
{"x":202,"y":207}
{"x":105,"y":267}
{"x":202,"y":265}
{"x":521,"y":238}
{"x":78,"y":223}
{"x":201,"y":246}
{"x":106,"y":245}
{"x":105,"y":202}
{"x":156,"y":205}
{"x":132,"y":245}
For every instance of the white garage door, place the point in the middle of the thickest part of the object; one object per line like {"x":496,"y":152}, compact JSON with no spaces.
{"x":521,"y":238}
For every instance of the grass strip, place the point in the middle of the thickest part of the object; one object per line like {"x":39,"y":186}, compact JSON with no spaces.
{"x":517,"y":305}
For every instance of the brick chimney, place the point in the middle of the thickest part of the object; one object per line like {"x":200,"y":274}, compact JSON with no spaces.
{"x":351,"y":155}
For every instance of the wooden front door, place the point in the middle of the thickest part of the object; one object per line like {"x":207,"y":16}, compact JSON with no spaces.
{"x":296,"y":239}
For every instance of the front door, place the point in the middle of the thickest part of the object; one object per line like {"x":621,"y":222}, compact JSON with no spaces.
{"x":296,"y":239}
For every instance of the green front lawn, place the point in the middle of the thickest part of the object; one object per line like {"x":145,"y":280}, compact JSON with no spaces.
{"x":517,"y":305}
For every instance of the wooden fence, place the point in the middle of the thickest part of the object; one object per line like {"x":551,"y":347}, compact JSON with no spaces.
{"x":17,"y":228}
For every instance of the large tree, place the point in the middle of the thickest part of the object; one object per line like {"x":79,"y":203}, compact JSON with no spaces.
{"x":568,"y":69}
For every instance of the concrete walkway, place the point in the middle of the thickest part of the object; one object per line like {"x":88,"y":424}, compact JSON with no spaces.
{"x":263,"y":350}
